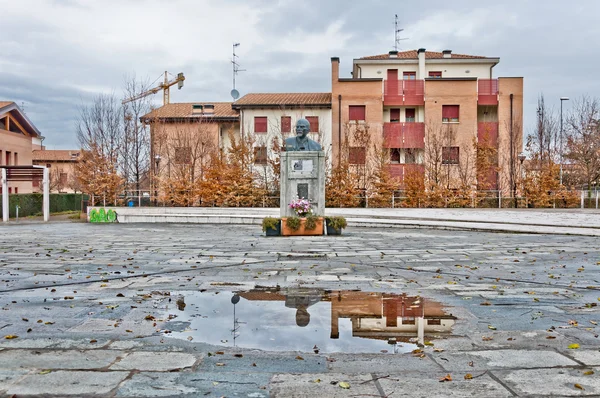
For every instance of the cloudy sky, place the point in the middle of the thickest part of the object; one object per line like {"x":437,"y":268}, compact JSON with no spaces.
{"x":58,"y":54}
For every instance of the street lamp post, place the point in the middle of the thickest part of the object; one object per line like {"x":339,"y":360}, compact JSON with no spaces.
{"x":157,"y":163}
{"x":521,"y":158}
{"x":561,"y":137}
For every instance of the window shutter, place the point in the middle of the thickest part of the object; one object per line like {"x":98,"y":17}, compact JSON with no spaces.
{"x":409,"y":114}
{"x":260,"y":124}
{"x":260,"y":155}
{"x":394,"y":115}
{"x":357,"y":112}
{"x":286,"y":124}
{"x":314,"y":123}
{"x":450,"y":113}
{"x":356,"y":155}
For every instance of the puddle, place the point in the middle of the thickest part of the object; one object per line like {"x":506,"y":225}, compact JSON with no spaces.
{"x":308,"y":320}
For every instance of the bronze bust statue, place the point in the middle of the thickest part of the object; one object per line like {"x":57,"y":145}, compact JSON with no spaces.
{"x":301,"y":142}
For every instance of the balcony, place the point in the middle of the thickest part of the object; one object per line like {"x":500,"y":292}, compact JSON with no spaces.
{"x":404,"y":135}
{"x":487,"y":132}
{"x":487,"y":90}
{"x":404,"y":92}
{"x":400,"y":171}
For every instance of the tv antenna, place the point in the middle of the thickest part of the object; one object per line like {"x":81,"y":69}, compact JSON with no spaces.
{"x":236,"y":69}
{"x":397,"y":31}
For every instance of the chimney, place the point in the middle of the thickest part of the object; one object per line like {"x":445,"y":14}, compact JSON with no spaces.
{"x":393,"y":54}
{"x":209,"y":110}
{"x":335,"y":70}
{"x":447,"y":53}
{"x":421,"y":57}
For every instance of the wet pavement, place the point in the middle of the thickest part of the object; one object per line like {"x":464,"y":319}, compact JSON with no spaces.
{"x":147,"y":310}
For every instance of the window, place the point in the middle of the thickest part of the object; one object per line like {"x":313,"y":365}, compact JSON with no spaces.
{"x":183,"y":155}
{"x":16,"y":189}
{"x":63,"y":179}
{"x":394,"y":115}
{"x":7,"y":158}
{"x":408,"y":320}
{"x":409,"y":75}
{"x":356,"y":155}
{"x":0,"y":157}
{"x":48,"y":165}
{"x":450,"y":113}
{"x":356,"y":112}
{"x":16,"y":159}
{"x":404,"y":156}
{"x":314,"y":123}
{"x":409,"y":115}
{"x":286,"y":124}
{"x":450,"y":155}
{"x":260,"y":124}
{"x":410,"y":156}
{"x":260,"y":155}
{"x":434,"y":321}
{"x":394,"y":155}
{"x":435,"y":75}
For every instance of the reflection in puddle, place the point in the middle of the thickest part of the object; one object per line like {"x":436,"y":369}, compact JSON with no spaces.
{"x":302,"y":319}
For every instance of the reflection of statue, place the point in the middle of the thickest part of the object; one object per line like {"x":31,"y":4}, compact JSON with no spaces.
{"x":301,"y":299}
{"x":301,"y":142}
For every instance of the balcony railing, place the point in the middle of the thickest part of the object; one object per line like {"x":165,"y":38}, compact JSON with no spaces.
{"x":487,"y":132}
{"x":487,"y":90}
{"x":400,"y":171}
{"x":404,"y":92}
{"x":404,"y":135}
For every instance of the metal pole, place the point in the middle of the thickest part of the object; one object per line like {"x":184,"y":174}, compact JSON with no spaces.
{"x":46,"y":183}
{"x":17,"y":211}
{"x":582,"y":199}
{"x":561,"y":141}
{"x":4,"y":196}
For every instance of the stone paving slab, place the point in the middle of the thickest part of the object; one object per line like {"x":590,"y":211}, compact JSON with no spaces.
{"x":502,"y":359}
{"x":57,"y":359}
{"x":322,"y":385}
{"x":552,"y":382}
{"x":155,"y":361}
{"x":63,"y":383}
{"x":427,"y":384}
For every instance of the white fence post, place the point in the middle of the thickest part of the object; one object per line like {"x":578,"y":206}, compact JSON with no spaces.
{"x":46,"y":199}
{"x":4,"y":196}
{"x":582,"y":199}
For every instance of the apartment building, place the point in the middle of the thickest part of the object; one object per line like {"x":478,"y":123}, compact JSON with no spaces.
{"x":18,"y":137}
{"x":272,"y":116}
{"x":429,"y":108}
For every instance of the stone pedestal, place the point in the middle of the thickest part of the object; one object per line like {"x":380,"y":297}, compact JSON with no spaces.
{"x":303,"y":176}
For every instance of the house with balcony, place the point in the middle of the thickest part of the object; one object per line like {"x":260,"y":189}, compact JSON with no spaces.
{"x":415,"y":100}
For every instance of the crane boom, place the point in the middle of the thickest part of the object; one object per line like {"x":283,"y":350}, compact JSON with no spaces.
{"x":165,"y":86}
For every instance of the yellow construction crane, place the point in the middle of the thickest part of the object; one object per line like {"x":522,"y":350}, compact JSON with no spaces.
{"x":165,"y":86}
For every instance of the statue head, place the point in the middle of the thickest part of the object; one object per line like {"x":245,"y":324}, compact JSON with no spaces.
{"x":302,"y":316}
{"x":302,"y":128}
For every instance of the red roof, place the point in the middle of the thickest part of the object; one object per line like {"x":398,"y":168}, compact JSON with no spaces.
{"x":185,"y":110}
{"x":55,"y":155}
{"x":413,"y":54}
{"x":285,"y":99}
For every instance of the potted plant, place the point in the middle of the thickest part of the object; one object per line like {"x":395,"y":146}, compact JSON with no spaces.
{"x":305,"y":223}
{"x":335,"y":224}
{"x":271,"y":226}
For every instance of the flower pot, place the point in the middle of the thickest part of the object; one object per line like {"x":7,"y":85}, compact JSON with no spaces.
{"x":332,"y":231}
{"x":274,"y":231}
{"x":302,"y":231}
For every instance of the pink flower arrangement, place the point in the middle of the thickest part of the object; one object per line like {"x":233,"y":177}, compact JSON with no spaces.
{"x":301,"y":206}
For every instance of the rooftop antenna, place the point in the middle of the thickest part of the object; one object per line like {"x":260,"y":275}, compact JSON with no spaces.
{"x":397,"y":32}
{"x":236,"y":69}
{"x":23,"y":106}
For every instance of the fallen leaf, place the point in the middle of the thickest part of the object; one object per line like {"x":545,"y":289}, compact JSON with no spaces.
{"x":438,"y":350}
{"x":149,"y":318}
{"x":491,"y":327}
{"x":446,"y":378}
{"x":573,"y":346}
{"x":468,"y":376}
{"x":238,"y":355}
{"x":550,"y":337}
{"x":471,"y":364}
{"x":11,"y":336}
{"x":344,"y":385}
{"x":45,"y":372}
{"x":120,"y":295}
{"x":299,"y":358}
{"x":317,"y":381}
{"x":219,"y":353}
{"x":588,"y":373}
{"x":92,"y":341}
{"x":578,"y":386}
{"x":487,"y":338}
{"x":486,"y":303}
{"x":215,"y":383}
{"x":219,"y":364}
{"x":593,"y":322}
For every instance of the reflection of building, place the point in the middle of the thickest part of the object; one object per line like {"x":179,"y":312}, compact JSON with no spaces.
{"x":381,"y":316}
{"x":388,"y":316}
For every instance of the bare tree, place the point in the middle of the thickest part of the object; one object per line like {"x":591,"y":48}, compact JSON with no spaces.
{"x":99,"y":126}
{"x":583,"y":141}
{"x":135,"y":144}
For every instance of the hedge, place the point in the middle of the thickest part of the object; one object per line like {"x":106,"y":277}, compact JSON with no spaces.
{"x":30,"y":204}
